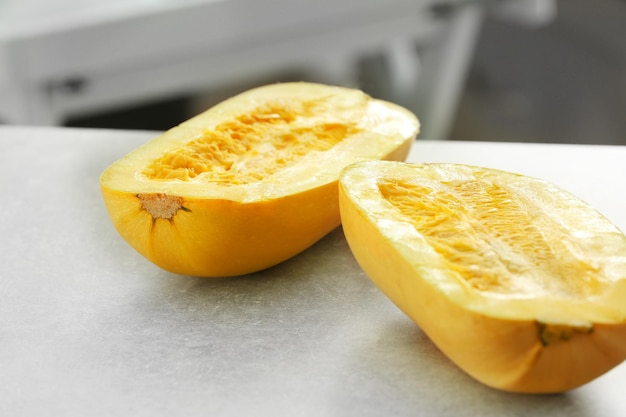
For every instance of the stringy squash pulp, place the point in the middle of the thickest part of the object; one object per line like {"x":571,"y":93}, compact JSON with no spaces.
{"x":517,"y":281}
{"x":252,"y":181}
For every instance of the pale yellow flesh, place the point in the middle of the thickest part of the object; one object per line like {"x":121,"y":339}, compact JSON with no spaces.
{"x":267,"y":143}
{"x":494,"y":238}
{"x":518,"y":282}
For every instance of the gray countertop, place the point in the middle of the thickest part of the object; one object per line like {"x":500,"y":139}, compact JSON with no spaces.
{"x":90,"y":328}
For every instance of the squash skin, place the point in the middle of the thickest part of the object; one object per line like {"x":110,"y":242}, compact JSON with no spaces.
{"x":501,"y":352}
{"x":222,"y":236}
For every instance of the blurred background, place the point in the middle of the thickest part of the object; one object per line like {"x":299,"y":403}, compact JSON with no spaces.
{"x":493,"y":70}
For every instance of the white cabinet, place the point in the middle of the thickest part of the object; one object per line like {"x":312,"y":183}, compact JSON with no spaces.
{"x":70,"y":57}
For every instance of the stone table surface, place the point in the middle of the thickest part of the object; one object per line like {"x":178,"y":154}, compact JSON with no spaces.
{"x":90,"y":328}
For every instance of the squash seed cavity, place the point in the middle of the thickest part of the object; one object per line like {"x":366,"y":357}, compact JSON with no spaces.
{"x":161,"y":206}
{"x":496,"y":240}
{"x":255,"y":145}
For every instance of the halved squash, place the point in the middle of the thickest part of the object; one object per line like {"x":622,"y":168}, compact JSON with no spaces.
{"x":252,"y":181}
{"x":517,"y":281}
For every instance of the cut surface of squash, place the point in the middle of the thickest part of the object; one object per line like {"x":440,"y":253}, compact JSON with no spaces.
{"x":517,"y":281}
{"x":252,"y":181}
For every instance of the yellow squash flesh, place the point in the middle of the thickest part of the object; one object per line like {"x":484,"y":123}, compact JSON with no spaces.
{"x":518,"y":282}
{"x":252,"y":181}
